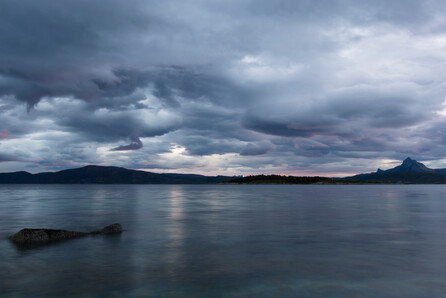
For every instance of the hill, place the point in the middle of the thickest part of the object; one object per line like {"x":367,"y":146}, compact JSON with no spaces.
{"x":277,"y":179}
{"x":106,"y":175}
{"x":409,"y":172}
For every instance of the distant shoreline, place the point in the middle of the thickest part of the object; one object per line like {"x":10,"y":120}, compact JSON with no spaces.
{"x":409,"y":172}
{"x":115,"y":175}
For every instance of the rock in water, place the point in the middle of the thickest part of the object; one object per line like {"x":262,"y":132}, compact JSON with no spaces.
{"x":29,"y":236}
{"x":111,"y":229}
{"x":42,"y":236}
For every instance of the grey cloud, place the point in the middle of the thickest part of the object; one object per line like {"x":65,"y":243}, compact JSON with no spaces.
{"x":285,"y":128}
{"x":80,"y":48}
{"x":345,"y":115}
{"x":287,"y":84}
{"x":258,"y":148}
{"x":47,"y":51}
{"x":105,"y":125}
{"x":134,"y":145}
{"x":4,"y":157}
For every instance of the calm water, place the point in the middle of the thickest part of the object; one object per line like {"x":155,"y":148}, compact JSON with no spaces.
{"x":228,"y":241}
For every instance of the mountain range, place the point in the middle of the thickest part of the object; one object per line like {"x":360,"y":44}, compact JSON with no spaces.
{"x":106,"y":175}
{"x":409,"y":172}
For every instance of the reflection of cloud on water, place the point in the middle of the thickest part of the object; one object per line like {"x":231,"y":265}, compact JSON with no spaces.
{"x":393,"y":209}
{"x":176,"y":203}
{"x":175,"y":229}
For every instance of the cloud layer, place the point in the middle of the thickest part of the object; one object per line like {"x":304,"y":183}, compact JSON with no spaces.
{"x":229,"y":87}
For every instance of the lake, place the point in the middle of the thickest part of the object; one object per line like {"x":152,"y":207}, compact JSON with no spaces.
{"x":228,"y":241}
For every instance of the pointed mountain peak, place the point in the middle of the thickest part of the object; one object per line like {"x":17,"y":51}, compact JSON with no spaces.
{"x":409,"y":161}
{"x":409,"y":171}
{"x":410,"y":165}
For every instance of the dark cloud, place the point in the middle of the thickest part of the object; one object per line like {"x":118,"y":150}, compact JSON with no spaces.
{"x":53,"y":49}
{"x":345,"y":115}
{"x":134,"y":145}
{"x":233,"y":86}
{"x":259,"y":148}
{"x":8,"y":157}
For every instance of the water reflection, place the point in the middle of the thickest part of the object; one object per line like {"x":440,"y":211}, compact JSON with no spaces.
{"x":185,"y":240}
{"x":175,"y":230}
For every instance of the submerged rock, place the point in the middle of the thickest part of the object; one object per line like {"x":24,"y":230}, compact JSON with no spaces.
{"x":111,"y":229}
{"x":42,"y":236}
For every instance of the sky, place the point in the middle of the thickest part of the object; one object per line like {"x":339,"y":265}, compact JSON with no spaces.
{"x":294,"y":87}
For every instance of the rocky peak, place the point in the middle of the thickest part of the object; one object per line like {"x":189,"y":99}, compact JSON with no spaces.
{"x":409,"y":161}
{"x":410,"y":165}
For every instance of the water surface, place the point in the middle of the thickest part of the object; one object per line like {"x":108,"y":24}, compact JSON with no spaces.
{"x":228,"y":241}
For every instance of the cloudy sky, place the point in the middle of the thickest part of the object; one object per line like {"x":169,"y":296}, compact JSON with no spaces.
{"x":222,"y":87}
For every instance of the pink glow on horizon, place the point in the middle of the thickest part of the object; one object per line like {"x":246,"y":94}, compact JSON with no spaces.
{"x":334,"y":174}
{"x":5,"y":134}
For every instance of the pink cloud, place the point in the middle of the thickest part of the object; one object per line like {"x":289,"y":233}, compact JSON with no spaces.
{"x":4,"y":134}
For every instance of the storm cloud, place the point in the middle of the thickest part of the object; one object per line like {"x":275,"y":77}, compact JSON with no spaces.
{"x":134,"y":145}
{"x":222,"y":87}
